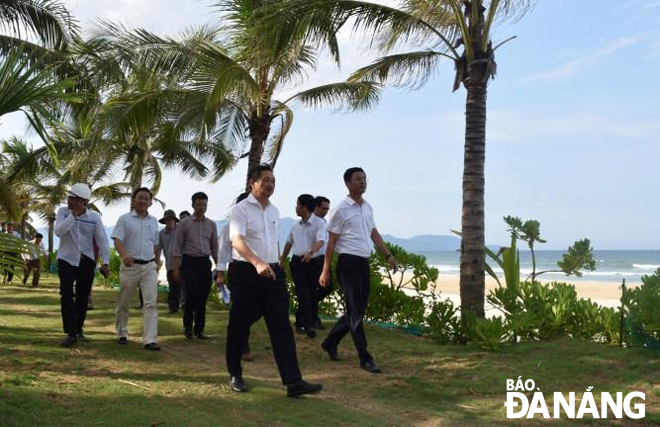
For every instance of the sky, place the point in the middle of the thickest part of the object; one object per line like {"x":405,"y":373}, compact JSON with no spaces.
{"x":573,"y":129}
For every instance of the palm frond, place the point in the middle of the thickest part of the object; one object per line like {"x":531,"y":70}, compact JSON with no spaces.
{"x":410,"y":69}
{"x":48,"y":20}
{"x":349,"y":96}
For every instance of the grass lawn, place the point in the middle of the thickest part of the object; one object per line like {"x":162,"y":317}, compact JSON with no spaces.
{"x":99,"y":383}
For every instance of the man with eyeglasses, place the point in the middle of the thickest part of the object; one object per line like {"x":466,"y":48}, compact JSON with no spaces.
{"x":77,"y":227}
{"x":258,"y":283}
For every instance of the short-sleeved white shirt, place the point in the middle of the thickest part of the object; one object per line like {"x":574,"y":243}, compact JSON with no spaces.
{"x":259,"y":226}
{"x":138,"y":234}
{"x":354,"y":224}
{"x":304,"y":234}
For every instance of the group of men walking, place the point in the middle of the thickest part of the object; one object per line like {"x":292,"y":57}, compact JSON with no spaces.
{"x":247,"y":258}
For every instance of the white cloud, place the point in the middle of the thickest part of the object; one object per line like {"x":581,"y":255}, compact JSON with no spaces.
{"x":571,"y":68}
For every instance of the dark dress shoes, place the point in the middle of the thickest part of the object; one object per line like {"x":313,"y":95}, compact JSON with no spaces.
{"x":247,"y":357}
{"x":332,"y":351}
{"x":371,"y":367}
{"x":81,"y":337}
{"x":303,"y":387}
{"x":311,"y":333}
{"x":188,"y":334}
{"x":122,"y":340}
{"x":69,"y":341}
{"x":201,"y":336}
{"x":301,"y":330}
{"x":237,"y":384}
{"x":152,"y":346}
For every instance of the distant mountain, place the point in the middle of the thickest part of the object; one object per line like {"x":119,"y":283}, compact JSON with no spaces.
{"x":426,"y":242}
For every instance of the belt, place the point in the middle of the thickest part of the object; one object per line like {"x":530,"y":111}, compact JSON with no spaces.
{"x":272,"y":265}
{"x":143,"y":262}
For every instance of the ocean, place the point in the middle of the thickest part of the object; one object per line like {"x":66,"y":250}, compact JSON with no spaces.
{"x":611,"y":265}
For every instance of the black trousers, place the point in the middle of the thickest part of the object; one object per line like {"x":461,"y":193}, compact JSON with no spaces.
{"x":9,"y":272}
{"x":174,"y":292}
{"x":306,"y":281}
{"x":198,"y":276}
{"x":73,"y":303}
{"x":319,"y":293}
{"x":251,"y":292}
{"x":353,"y":275}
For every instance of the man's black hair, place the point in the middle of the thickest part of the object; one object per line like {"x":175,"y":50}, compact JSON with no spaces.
{"x":307,"y":201}
{"x":255,"y":173}
{"x":319,"y":200}
{"x":349,"y":173}
{"x":199,"y":196}
{"x":137,"y":190}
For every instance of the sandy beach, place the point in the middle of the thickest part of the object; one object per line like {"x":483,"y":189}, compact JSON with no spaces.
{"x":606,"y":294}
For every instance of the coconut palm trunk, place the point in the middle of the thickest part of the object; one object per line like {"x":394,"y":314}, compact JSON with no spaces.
{"x":472,"y":284}
{"x":259,"y":130}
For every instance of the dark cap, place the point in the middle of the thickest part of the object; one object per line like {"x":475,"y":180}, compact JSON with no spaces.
{"x":168,"y":214}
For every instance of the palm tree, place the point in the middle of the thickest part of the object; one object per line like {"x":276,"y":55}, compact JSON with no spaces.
{"x":47,"y":21}
{"x":456,"y":30}
{"x":237,"y":81}
{"x":28,"y":85}
{"x":135,"y":114}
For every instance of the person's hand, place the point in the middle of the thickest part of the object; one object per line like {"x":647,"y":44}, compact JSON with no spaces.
{"x":175,"y":274}
{"x":105,"y":270}
{"x":307,"y":257}
{"x":128,"y":261}
{"x":391,"y":261}
{"x":325,"y":278}
{"x":264,"y":270}
{"x":220,"y":279}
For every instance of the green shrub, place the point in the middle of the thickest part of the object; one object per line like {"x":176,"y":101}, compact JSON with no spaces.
{"x":443,"y":322}
{"x":643,"y":311}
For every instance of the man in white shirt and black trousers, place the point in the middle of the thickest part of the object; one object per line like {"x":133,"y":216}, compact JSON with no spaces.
{"x":351,"y":231}
{"x":77,"y":227}
{"x":136,"y":240}
{"x":258,"y":282}
{"x":305,"y":239}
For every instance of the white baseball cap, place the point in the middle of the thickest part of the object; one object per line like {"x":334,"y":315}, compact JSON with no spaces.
{"x":80,"y":190}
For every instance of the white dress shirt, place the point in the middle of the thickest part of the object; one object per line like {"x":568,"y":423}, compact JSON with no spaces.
{"x":224,"y":248}
{"x":354,"y":224}
{"x":258,"y":226}
{"x":77,"y":234}
{"x":304,"y":234}
{"x":321,"y":251}
{"x":138,"y":234}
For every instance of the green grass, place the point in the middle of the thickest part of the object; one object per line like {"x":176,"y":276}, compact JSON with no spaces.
{"x":42,"y":384}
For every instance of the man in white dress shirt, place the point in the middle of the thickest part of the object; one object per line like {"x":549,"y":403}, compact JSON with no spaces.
{"x":258,"y":282}
{"x":78,"y":227}
{"x":305,"y":240}
{"x":136,"y":241}
{"x":351,"y":231}
{"x":224,"y":258}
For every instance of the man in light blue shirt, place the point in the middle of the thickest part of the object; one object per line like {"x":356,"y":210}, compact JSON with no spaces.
{"x":136,"y":240}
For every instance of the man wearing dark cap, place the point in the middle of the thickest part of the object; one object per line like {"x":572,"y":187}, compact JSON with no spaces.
{"x":165,"y":242}
{"x":196,"y":242}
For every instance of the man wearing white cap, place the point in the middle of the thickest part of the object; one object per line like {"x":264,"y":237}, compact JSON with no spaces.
{"x":77,"y":227}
